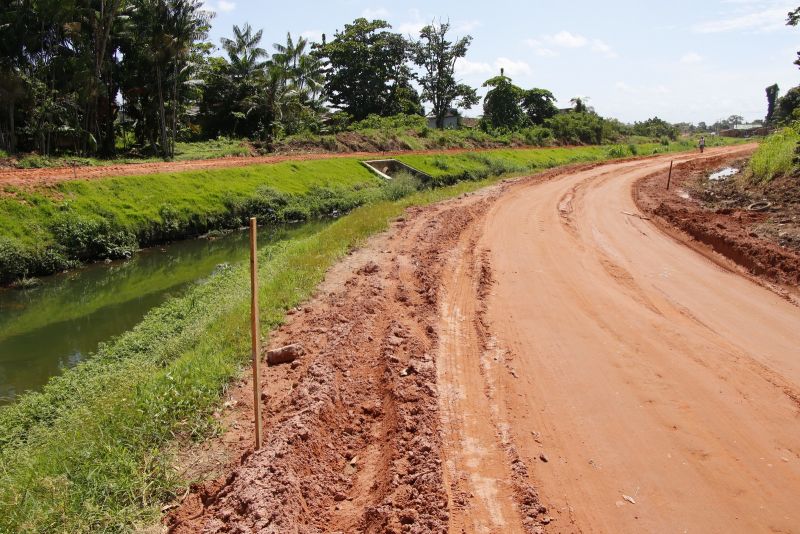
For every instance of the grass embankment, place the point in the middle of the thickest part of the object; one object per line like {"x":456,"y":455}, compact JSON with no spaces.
{"x":775,"y":157}
{"x":47,"y":230}
{"x":87,"y":454}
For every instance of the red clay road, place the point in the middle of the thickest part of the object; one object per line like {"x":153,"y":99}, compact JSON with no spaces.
{"x":646,"y":388}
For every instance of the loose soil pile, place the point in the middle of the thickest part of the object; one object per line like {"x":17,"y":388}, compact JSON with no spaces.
{"x":352,"y":439}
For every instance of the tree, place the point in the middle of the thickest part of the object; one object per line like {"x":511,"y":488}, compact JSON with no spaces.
{"x":655,"y":127}
{"x":787,"y":106}
{"x":579,"y":104}
{"x":735,"y":120}
{"x":539,"y":105}
{"x":437,"y":57}
{"x":772,"y":97}
{"x":792,"y":19}
{"x":366,"y":70}
{"x":501,"y":105}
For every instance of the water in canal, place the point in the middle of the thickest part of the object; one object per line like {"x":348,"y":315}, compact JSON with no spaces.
{"x":60,"y":322}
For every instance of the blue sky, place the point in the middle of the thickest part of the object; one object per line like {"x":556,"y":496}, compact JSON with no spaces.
{"x":681,"y":60}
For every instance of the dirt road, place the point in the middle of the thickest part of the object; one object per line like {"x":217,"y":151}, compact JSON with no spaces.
{"x":536,"y":357}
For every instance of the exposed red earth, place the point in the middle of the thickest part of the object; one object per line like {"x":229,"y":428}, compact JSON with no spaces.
{"x":539,"y":356}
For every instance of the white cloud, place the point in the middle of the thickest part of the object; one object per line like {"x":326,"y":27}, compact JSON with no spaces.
{"x":465,"y":26}
{"x":512,"y":67}
{"x":691,"y":57}
{"x":622,"y":86}
{"x":224,"y":6}
{"x":375,"y":13}
{"x":757,"y":17}
{"x":567,"y":39}
{"x":544,"y":45}
{"x":602,"y":47}
{"x":539,"y":48}
{"x":465,"y":67}
{"x":412,"y":28}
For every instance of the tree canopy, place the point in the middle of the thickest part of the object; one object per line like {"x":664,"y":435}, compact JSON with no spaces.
{"x":437,"y":57}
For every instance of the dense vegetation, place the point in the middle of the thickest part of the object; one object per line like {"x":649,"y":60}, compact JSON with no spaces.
{"x":138,"y":78}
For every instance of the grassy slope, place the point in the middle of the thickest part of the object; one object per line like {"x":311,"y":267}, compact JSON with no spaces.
{"x":87,"y":453}
{"x":136,"y":201}
{"x":775,"y":157}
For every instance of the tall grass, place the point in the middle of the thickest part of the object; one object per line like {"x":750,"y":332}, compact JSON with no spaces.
{"x":775,"y":157}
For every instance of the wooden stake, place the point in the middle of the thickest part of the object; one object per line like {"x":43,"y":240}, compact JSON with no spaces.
{"x":256,"y":339}
{"x":669,"y":178}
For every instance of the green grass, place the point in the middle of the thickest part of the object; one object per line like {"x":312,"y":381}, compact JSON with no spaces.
{"x":774,"y":157}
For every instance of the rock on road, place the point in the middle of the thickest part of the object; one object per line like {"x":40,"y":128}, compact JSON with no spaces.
{"x":644,"y":387}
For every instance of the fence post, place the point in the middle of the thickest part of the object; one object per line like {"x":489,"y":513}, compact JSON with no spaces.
{"x":669,"y":178}
{"x":254,"y":331}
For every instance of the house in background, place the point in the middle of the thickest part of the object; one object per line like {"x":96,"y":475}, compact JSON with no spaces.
{"x":451,"y":121}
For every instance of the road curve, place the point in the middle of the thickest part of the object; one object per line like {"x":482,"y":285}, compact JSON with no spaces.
{"x":637,"y":385}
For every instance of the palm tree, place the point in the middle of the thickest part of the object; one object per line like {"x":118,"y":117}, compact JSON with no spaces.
{"x":243,"y":50}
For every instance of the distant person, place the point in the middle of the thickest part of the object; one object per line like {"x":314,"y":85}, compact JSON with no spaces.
{"x":702,"y":144}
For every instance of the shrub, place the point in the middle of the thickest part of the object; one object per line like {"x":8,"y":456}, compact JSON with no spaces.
{"x":85,"y":238}
{"x":617,"y":151}
{"x":402,"y":185}
{"x":577,"y":128}
{"x":537,"y":135}
{"x":401,"y":121}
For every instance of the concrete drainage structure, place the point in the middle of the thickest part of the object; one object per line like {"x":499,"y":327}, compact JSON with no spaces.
{"x":389,"y":168}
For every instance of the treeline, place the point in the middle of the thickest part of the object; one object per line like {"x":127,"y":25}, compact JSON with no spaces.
{"x":94,"y":78}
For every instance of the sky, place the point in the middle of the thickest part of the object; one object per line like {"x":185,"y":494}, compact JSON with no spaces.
{"x":676,"y":59}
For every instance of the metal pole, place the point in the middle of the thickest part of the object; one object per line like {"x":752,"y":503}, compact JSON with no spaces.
{"x":669,"y":178}
{"x":256,"y":340}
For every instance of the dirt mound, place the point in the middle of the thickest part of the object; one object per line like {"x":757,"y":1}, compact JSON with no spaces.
{"x":352,"y":430}
{"x":719,"y":215}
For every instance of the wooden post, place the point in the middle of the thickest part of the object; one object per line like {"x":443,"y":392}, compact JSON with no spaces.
{"x":669,"y":178}
{"x":254,"y":327}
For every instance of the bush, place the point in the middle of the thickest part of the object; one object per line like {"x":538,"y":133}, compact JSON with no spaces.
{"x":402,"y":185}
{"x":84,"y":238}
{"x":577,"y":128}
{"x":401,"y":121}
{"x":617,"y":151}
{"x":537,"y":136}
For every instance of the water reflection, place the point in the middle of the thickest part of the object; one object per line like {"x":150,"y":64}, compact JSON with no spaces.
{"x":56,"y":325}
